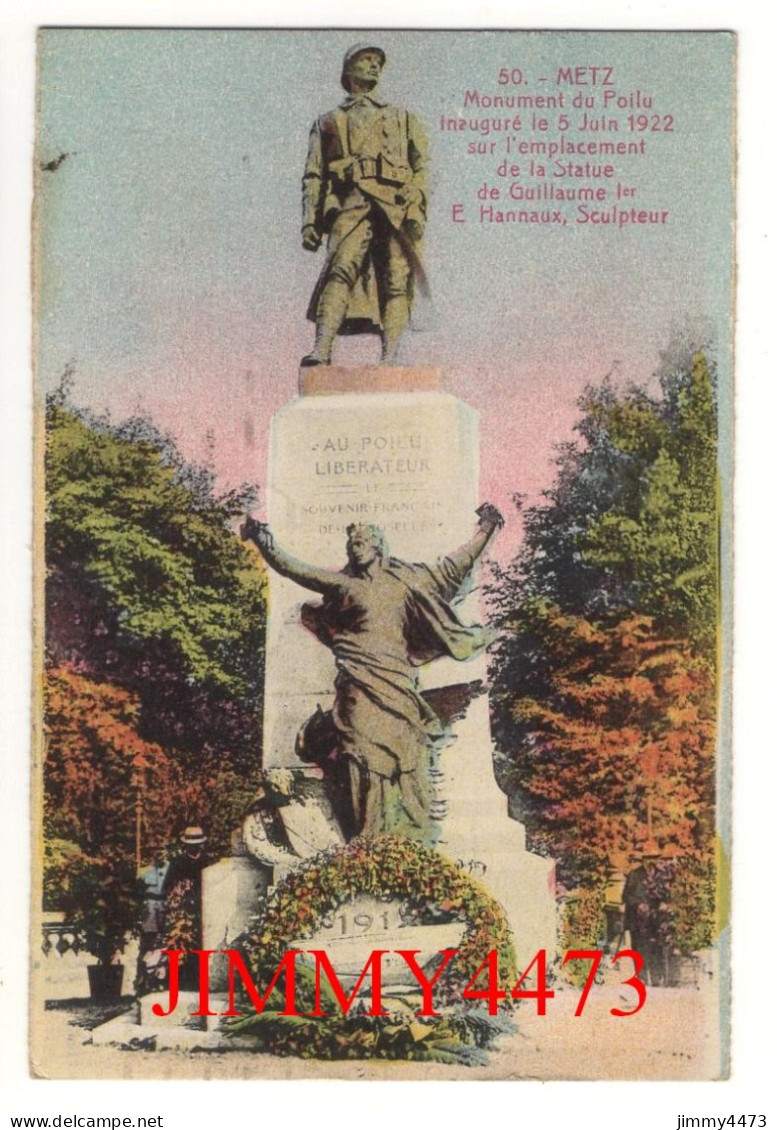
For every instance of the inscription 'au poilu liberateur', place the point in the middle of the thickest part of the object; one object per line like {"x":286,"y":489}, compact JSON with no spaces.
{"x":372,"y":464}
{"x":408,"y":466}
{"x":369,"y":444}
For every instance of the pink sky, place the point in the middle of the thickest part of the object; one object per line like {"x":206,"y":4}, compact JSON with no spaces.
{"x":219,"y":413}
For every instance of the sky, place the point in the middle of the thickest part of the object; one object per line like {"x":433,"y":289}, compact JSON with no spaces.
{"x":169,"y":265}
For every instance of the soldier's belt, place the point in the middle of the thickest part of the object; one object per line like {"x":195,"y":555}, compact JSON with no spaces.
{"x":382,"y":170}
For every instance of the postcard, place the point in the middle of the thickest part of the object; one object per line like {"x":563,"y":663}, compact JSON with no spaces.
{"x":384,"y":417}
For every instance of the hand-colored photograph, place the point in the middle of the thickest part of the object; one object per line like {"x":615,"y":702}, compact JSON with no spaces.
{"x":384,"y":414}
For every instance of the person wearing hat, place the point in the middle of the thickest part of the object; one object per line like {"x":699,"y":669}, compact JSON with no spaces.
{"x":365,"y":189}
{"x":182,"y":891}
{"x":642,"y":912}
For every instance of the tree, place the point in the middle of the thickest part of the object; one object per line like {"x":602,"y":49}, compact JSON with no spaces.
{"x":631,"y":523}
{"x":98,"y":770}
{"x":150,"y":594}
{"x":604,"y":679}
{"x":664,"y":539}
{"x":102,"y":899}
{"x":615,"y":748}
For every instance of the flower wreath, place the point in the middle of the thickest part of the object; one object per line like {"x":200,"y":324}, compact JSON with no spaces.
{"x":431,"y":888}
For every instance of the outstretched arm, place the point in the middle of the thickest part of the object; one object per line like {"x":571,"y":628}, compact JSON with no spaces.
{"x":309,"y":576}
{"x":489,"y":521}
{"x":450,"y":572}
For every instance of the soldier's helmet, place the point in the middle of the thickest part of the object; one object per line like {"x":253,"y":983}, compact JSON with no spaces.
{"x":350,"y":55}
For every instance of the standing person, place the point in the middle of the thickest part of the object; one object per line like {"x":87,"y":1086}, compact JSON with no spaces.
{"x":153,"y":879}
{"x":182,"y":890}
{"x":150,"y":962}
{"x":382,"y":618}
{"x":643,"y":912}
{"x":365,"y":188}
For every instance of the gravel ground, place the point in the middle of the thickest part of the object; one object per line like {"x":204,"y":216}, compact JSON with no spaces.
{"x":675,"y":1036}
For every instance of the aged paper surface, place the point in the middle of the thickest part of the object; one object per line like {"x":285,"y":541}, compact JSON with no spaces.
{"x":541,"y":804}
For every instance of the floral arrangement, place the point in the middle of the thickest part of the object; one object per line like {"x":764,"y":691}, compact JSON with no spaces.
{"x":431,"y":888}
{"x":102,"y":901}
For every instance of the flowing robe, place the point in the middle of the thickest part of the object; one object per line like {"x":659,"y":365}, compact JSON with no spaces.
{"x":381,"y":627}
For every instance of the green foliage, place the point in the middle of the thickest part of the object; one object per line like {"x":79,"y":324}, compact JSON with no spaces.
{"x":664,"y":534}
{"x":152,"y":601}
{"x":102,"y":900}
{"x":461,"y":1039}
{"x":631,"y":523}
{"x":604,"y":679}
{"x":57,"y":854}
{"x":225,"y":795}
{"x":151,"y":542}
{"x":386,"y":867}
{"x":582,"y":928}
{"x":692,"y":898}
{"x":665,"y":537}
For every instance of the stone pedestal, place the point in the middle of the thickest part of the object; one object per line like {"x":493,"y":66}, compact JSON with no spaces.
{"x":404,"y":460}
{"x":231,"y":891}
{"x":182,"y":1015}
{"x":365,"y":924}
{"x":479,"y":834}
{"x":389,"y":447}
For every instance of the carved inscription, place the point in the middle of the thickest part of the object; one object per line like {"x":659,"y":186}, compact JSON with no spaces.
{"x":380,"y":477}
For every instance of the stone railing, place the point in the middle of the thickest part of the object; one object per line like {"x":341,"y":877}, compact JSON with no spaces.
{"x":58,"y":939}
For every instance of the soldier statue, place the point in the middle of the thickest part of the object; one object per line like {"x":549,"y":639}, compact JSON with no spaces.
{"x":365,"y":189}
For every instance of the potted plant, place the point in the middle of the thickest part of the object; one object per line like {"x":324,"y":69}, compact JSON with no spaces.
{"x":102,"y":899}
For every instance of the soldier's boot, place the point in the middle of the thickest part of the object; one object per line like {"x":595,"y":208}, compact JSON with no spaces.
{"x":395,"y":318}
{"x":331,"y":311}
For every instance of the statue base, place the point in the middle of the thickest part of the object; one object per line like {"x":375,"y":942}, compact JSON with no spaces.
{"x":406,"y":461}
{"x":332,"y":380}
{"x":387,"y":446}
